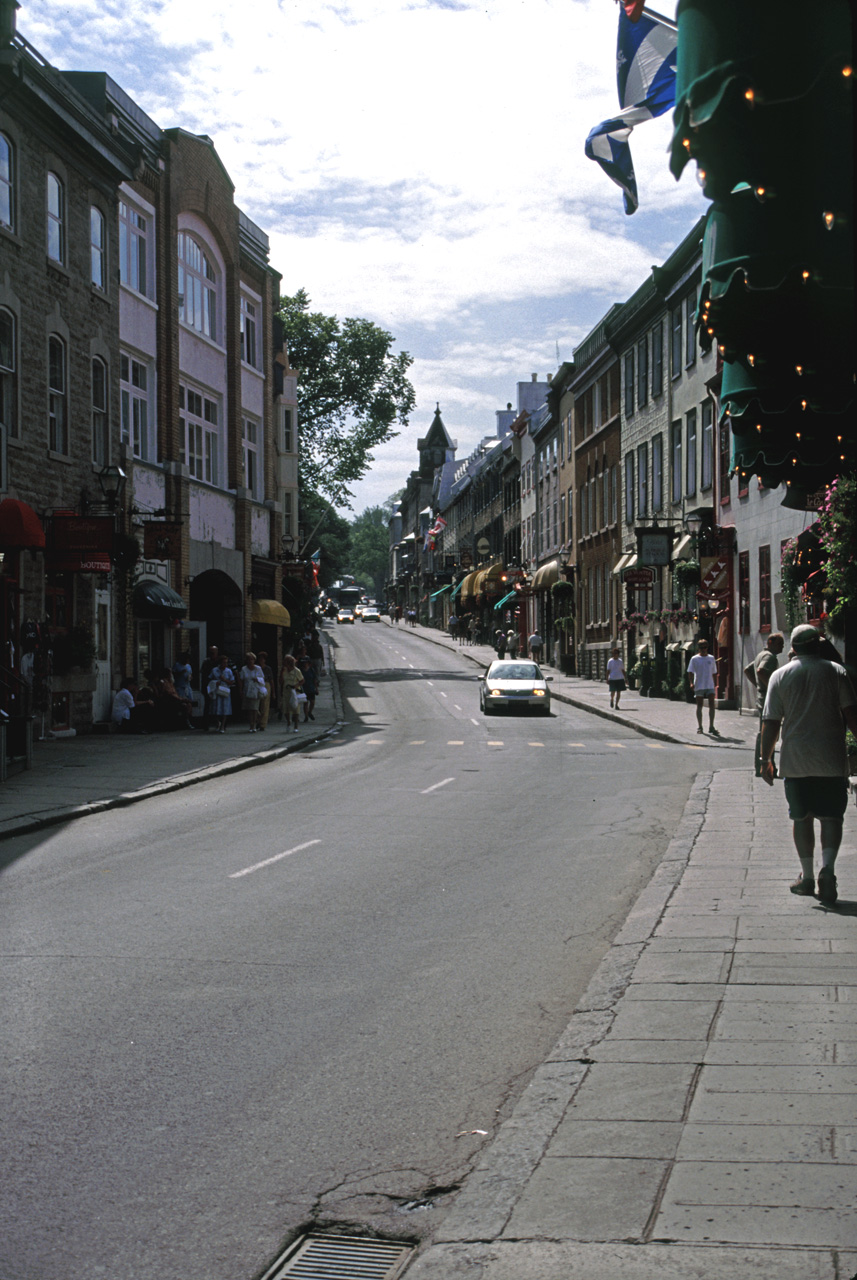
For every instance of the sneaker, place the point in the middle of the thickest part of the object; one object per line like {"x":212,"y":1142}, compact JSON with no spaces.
{"x":715,"y":732}
{"x":806,"y":888}
{"x":700,"y":729}
{"x":827,"y":885}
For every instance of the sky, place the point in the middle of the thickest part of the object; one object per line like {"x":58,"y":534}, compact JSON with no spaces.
{"x":415,"y":162}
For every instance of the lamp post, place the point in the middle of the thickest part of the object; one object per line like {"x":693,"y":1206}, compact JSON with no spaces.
{"x":111,"y":481}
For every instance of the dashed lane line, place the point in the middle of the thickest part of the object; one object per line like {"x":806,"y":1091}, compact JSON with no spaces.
{"x":278,"y":857}
{"x":437,"y":786}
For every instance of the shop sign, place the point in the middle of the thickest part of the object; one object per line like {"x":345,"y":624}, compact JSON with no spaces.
{"x":466,"y":558}
{"x":161,"y":540}
{"x":654,"y":545}
{"x":639,"y":579}
{"x":714,"y":583}
{"x":82,"y":544}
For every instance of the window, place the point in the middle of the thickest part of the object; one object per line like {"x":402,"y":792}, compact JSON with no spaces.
{"x":690,"y":328}
{"x":724,"y":460}
{"x":197,"y":288}
{"x":562,"y":529}
{"x":605,"y":502}
{"x":253,"y":477}
{"x":56,"y":219}
{"x":690,"y":480}
{"x":675,"y":461}
{"x":248,"y":332}
{"x":707,"y":445}
{"x":7,"y":183}
{"x":287,"y":512}
{"x":133,"y":233}
{"x":200,"y":437}
{"x":642,"y":480}
{"x":658,"y":473}
{"x":642,"y":372}
{"x":286,"y":423}
{"x":658,"y":358}
{"x":744,"y":592}
{"x":97,"y":247}
{"x":134,"y":389}
{"x":629,"y":383}
{"x":629,"y":488}
{"x":555,"y":523}
{"x":764,"y":588}
{"x":570,"y":509}
{"x":8,"y":375}
{"x":584,"y":510}
{"x":100,"y":438}
{"x":675,"y":343}
{"x":57,"y":395}
{"x":614,"y":494}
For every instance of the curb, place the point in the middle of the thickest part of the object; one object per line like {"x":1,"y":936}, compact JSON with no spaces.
{"x":177,"y":782}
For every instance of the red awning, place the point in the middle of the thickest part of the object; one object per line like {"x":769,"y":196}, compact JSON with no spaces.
{"x":20,"y":527}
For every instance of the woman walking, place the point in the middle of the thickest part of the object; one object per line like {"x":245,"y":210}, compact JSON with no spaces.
{"x":220,"y":687}
{"x":253,"y":689}
{"x":290,"y":682}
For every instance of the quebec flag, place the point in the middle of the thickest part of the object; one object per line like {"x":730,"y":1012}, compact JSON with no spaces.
{"x":645,"y":72}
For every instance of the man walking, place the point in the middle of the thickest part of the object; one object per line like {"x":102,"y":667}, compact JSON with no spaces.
{"x":808,"y":699}
{"x":702,"y":672}
{"x":536,"y":644}
{"x":759,"y":672}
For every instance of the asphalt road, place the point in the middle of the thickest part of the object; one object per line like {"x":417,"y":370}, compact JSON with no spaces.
{"x":310,"y":990}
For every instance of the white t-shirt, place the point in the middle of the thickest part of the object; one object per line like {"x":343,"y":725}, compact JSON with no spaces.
{"x":615,"y":669}
{"x":123,"y":701}
{"x":808,"y":695}
{"x":703,"y":667}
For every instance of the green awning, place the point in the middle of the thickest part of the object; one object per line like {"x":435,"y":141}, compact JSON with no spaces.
{"x":508,"y":596}
{"x":457,"y":589}
{"x":435,"y":594}
{"x":157,"y":601}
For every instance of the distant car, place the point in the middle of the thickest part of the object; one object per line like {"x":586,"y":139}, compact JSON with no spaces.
{"x":358,"y":610}
{"x":345,"y":615}
{"x":370,"y":615}
{"x":514,"y":683}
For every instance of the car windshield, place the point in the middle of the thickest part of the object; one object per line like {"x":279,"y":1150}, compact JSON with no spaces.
{"x":514,"y":671}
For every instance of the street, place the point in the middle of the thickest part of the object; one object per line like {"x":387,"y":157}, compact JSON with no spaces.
{"x":309,"y":991}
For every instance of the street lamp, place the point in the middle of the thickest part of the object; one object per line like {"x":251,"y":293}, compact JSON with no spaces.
{"x":287,"y":544}
{"x":111,"y":480}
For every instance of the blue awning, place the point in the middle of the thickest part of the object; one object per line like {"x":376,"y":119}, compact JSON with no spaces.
{"x":435,"y":594}
{"x":508,"y":596}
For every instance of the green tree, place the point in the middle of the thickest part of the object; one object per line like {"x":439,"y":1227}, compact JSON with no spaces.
{"x":370,"y":548}
{"x":352,"y":394}
{"x":326,"y":532}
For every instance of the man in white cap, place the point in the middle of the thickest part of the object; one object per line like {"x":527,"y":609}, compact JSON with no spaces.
{"x":809,"y":698}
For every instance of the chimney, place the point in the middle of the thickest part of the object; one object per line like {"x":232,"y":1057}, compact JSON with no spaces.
{"x":535,"y":377}
{"x":8,"y":24}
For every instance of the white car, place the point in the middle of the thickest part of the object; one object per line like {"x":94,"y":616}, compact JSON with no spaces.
{"x":512,"y":682}
{"x":370,"y":615}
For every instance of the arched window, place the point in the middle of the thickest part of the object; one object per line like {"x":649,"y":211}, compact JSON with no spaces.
{"x":7,"y":183}
{"x":57,"y":395}
{"x":197,"y":287}
{"x":56,"y":218}
{"x":100,"y":439}
{"x":97,"y":247}
{"x":8,"y":375}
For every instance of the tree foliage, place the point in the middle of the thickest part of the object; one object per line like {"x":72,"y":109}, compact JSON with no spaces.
{"x":370,"y":547}
{"x":352,"y":394}
{"x":327,"y":532}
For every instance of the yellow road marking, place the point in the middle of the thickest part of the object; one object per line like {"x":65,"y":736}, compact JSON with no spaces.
{"x":620,"y":745}
{"x":418,"y":742}
{"x":495,"y":744}
{"x":535,"y":744}
{"x":454,"y":743}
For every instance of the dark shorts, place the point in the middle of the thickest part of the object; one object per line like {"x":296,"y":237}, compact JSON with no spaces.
{"x":816,"y":797}
{"x":616,"y":686}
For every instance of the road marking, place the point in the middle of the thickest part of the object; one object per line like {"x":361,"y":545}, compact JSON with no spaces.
{"x":455,"y":742}
{"x":472,"y":721}
{"x":436,"y":785}
{"x":495,"y":744}
{"x":535,"y":744}
{"x":457,"y":707}
{"x":430,"y":683}
{"x":656,"y":746}
{"x":691,"y":747}
{"x":576,"y":744}
{"x":418,"y":742}
{"x":268,"y":861}
{"x":620,"y":745}
{"x":443,"y":695}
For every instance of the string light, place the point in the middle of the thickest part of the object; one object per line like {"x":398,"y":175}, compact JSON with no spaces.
{"x":805,"y":275}
{"x":750,"y":96}
{"x":829,"y":219}
{"x":846,"y":71}
{"x":799,"y":370}
{"x":751,"y":360}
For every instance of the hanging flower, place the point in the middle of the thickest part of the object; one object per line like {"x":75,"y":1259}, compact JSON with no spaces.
{"x":838,"y":521}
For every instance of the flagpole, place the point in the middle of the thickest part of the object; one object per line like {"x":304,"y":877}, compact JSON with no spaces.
{"x":658,"y":17}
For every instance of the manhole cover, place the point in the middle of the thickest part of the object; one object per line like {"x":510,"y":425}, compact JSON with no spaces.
{"x":340,"y":1258}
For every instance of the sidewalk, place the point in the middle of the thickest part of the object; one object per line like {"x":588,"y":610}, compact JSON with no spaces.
{"x":698,"y":1118}
{"x":654,"y":717}
{"x":73,"y":777}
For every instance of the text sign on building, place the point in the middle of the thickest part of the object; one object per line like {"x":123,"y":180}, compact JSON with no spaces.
{"x":639,"y":579}
{"x":82,"y":544}
{"x":161,"y":540}
{"x":654,"y":546}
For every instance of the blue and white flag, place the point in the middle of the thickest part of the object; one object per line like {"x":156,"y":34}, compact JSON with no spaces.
{"x":645,"y":72}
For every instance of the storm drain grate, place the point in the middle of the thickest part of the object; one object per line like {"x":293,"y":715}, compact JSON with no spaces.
{"x":341,"y":1258}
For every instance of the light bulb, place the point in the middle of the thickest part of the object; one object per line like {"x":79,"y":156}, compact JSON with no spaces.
{"x":829,"y":219}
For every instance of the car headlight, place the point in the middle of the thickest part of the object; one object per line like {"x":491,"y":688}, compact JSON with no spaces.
{"x":495,"y":693}
{"x":539,"y":693}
